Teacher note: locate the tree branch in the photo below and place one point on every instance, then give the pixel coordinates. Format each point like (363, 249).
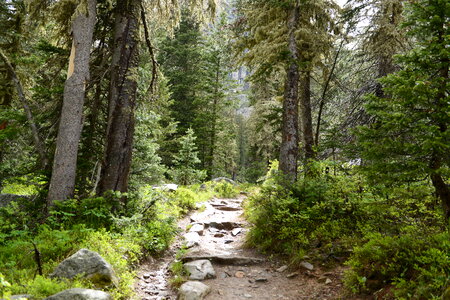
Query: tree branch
(150, 50)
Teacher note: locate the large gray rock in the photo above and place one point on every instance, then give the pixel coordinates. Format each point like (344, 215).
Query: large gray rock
(6, 199)
(193, 290)
(89, 264)
(200, 269)
(80, 294)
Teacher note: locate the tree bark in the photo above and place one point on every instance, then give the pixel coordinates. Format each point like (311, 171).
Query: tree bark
(307, 127)
(289, 139)
(442, 189)
(62, 183)
(122, 98)
(37, 140)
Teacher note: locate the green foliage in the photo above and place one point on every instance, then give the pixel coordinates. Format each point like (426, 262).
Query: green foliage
(415, 263)
(225, 190)
(185, 199)
(41, 287)
(122, 236)
(4, 287)
(179, 273)
(96, 212)
(409, 138)
(392, 235)
(186, 161)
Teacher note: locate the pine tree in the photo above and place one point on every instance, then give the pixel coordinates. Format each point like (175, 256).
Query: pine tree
(185, 169)
(287, 37)
(410, 137)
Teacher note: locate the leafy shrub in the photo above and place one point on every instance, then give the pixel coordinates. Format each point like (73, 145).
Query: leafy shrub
(5, 287)
(315, 212)
(185, 199)
(225, 190)
(42, 287)
(416, 264)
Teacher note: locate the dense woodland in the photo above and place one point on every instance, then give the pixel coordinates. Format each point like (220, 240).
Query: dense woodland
(332, 116)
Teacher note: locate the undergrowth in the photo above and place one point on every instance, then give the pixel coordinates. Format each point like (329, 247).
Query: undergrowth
(121, 235)
(393, 238)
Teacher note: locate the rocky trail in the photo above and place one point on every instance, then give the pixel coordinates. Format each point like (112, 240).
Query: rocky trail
(221, 268)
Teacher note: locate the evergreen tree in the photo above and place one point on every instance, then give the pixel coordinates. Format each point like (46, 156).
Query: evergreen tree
(186, 161)
(410, 137)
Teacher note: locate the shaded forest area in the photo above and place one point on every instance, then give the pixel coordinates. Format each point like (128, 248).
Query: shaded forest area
(332, 116)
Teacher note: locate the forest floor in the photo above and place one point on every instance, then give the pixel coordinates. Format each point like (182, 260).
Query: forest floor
(241, 272)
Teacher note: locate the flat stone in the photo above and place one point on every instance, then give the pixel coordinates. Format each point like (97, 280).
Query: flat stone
(248, 296)
(236, 231)
(307, 265)
(227, 260)
(328, 281)
(193, 290)
(197, 227)
(200, 269)
(223, 225)
(80, 294)
(192, 239)
(228, 208)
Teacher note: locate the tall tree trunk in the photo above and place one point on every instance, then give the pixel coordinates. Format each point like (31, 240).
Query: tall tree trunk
(122, 101)
(213, 136)
(289, 139)
(307, 127)
(442, 189)
(62, 183)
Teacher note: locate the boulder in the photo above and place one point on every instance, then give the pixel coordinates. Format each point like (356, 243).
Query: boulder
(193, 290)
(200, 269)
(88, 263)
(80, 294)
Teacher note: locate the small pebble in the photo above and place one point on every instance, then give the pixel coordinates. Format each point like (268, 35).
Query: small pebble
(239, 274)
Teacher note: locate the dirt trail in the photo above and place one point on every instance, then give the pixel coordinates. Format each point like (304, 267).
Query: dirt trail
(218, 233)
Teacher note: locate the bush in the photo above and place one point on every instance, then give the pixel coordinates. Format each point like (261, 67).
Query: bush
(415, 264)
(185, 199)
(225, 190)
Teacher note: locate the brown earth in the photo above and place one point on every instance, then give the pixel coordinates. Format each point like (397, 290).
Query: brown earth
(241, 273)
